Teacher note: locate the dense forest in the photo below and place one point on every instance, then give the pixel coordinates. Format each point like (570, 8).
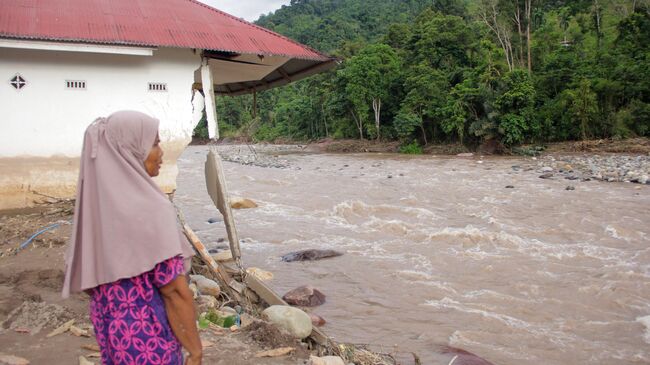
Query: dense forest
(441, 71)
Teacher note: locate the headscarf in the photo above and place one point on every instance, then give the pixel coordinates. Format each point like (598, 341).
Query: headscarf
(123, 223)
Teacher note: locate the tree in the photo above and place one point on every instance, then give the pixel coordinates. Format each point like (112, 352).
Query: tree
(369, 76)
(515, 103)
(583, 106)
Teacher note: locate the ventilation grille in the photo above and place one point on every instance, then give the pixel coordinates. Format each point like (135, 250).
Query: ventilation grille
(75, 84)
(156, 86)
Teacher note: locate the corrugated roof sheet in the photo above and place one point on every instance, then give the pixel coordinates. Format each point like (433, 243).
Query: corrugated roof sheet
(152, 23)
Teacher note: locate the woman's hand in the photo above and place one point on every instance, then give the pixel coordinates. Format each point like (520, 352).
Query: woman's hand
(179, 305)
(193, 359)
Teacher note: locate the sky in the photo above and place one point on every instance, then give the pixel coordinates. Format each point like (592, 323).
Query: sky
(247, 9)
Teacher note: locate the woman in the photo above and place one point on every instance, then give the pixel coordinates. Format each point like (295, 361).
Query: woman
(126, 250)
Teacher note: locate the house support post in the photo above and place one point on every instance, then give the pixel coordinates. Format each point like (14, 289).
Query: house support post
(210, 104)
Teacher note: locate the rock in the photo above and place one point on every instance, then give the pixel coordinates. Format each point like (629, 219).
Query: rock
(548, 175)
(304, 296)
(326, 360)
(214, 220)
(205, 285)
(206, 302)
(223, 256)
(317, 320)
(462, 357)
(12, 360)
(644, 179)
(241, 203)
(547, 169)
(310, 255)
(570, 188)
(510, 187)
(469, 154)
(260, 274)
(292, 320)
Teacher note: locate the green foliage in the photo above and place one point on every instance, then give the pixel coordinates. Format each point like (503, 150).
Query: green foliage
(443, 73)
(412, 148)
(215, 318)
(406, 123)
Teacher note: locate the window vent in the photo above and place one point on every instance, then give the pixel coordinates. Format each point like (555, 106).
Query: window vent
(75, 84)
(156, 86)
(18, 82)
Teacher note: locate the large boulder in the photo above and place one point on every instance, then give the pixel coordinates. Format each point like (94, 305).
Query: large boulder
(206, 286)
(292, 320)
(310, 255)
(305, 296)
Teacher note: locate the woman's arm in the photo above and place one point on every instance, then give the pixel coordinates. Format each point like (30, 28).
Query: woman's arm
(182, 318)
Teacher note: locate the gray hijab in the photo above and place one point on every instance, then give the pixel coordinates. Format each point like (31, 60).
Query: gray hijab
(123, 223)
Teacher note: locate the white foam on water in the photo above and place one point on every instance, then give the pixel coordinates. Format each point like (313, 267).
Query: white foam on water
(646, 322)
(448, 303)
(358, 209)
(494, 294)
(393, 226)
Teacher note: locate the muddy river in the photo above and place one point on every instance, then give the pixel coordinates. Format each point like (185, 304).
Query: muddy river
(438, 252)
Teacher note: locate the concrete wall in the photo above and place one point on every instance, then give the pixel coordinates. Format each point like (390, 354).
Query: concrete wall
(42, 125)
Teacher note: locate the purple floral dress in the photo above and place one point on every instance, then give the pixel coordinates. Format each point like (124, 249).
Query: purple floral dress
(130, 320)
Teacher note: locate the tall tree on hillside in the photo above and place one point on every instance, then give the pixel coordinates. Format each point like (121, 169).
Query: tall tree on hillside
(490, 13)
(370, 75)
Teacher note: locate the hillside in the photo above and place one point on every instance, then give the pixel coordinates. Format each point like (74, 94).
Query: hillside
(503, 72)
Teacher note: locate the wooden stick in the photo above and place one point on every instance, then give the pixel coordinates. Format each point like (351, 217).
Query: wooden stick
(231, 285)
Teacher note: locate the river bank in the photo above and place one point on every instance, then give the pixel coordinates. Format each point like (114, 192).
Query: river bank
(31, 305)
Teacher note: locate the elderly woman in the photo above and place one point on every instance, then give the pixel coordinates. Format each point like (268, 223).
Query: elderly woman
(126, 250)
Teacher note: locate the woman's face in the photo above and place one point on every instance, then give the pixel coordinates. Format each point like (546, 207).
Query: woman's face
(154, 160)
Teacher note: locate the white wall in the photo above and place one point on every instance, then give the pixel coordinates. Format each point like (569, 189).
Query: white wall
(45, 120)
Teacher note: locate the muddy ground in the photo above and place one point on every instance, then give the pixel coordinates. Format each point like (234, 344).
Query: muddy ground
(31, 305)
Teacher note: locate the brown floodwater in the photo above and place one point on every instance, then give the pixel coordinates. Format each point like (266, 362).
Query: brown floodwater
(442, 253)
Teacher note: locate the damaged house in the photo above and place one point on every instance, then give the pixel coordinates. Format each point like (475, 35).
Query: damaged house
(64, 63)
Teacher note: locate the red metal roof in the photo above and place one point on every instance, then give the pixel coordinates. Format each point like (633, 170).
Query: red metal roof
(153, 23)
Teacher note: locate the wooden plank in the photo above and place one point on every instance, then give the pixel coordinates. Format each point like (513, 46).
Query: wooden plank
(231, 285)
(218, 191)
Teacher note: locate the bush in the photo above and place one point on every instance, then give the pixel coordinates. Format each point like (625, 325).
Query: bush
(412, 148)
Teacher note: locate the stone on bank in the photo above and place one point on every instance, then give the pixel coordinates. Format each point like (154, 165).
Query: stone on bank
(292, 320)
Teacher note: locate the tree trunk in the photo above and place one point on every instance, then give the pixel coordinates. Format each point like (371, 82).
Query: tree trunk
(358, 122)
(424, 133)
(376, 106)
(322, 107)
(529, 6)
(501, 31)
(521, 35)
